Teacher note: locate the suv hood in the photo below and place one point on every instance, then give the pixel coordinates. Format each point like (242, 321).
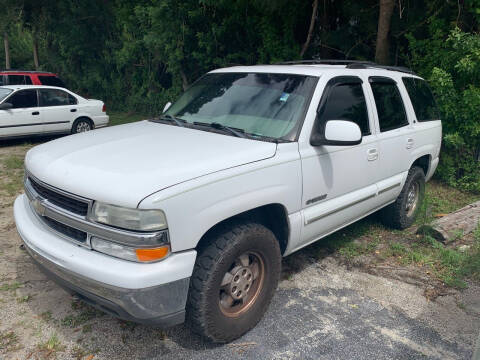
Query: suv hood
(123, 164)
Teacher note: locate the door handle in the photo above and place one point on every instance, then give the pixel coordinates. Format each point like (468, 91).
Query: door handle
(73, 110)
(372, 154)
(36, 113)
(410, 143)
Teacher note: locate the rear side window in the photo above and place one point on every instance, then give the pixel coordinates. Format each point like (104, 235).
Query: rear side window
(23, 99)
(17, 80)
(422, 99)
(346, 101)
(389, 103)
(54, 97)
(51, 81)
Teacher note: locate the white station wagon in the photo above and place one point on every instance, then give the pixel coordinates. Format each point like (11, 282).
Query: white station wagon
(188, 215)
(29, 109)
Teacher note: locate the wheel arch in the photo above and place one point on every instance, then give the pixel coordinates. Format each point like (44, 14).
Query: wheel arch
(423, 162)
(81, 117)
(273, 216)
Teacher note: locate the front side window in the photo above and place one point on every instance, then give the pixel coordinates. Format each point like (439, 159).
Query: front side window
(346, 101)
(422, 99)
(54, 97)
(23, 99)
(389, 103)
(261, 104)
(51, 81)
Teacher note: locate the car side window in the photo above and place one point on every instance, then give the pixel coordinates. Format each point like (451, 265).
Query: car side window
(23, 99)
(55, 97)
(16, 80)
(389, 103)
(422, 99)
(344, 100)
(28, 80)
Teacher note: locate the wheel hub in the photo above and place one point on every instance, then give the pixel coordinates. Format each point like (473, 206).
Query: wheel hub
(241, 283)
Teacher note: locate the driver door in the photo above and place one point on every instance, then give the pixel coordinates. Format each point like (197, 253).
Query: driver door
(24, 117)
(339, 181)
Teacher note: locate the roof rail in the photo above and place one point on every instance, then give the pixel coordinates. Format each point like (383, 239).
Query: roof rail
(25, 71)
(349, 64)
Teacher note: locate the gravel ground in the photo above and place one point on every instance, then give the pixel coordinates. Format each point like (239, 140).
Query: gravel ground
(322, 310)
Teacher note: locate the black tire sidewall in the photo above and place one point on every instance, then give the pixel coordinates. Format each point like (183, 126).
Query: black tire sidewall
(416, 174)
(78, 121)
(259, 240)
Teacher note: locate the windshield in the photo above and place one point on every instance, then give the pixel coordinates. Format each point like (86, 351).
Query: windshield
(4, 93)
(270, 105)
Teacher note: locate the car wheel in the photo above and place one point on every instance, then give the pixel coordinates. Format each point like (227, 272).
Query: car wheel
(81, 125)
(234, 279)
(403, 212)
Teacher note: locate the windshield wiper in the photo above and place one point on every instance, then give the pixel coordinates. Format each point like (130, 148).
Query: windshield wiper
(235, 131)
(177, 121)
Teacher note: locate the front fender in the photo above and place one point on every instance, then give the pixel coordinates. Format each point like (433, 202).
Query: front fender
(195, 206)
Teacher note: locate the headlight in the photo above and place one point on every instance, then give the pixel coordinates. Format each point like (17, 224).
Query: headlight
(130, 219)
(128, 252)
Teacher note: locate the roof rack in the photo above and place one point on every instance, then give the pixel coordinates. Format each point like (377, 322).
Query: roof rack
(349, 64)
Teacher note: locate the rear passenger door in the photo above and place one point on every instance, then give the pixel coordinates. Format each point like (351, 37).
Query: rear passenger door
(24, 117)
(58, 108)
(394, 137)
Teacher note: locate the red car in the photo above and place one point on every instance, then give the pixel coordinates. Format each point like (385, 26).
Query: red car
(21, 77)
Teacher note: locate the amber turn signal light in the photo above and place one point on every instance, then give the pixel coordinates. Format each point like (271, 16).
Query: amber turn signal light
(152, 254)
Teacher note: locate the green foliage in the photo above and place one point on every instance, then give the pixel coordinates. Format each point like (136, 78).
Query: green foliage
(451, 61)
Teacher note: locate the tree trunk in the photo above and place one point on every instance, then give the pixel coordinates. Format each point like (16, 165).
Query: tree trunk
(184, 79)
(7, 50)
(384, 18)
(310, 29)
(35, 52)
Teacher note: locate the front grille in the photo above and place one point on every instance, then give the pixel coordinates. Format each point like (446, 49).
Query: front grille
(66, 230)
(75, 206)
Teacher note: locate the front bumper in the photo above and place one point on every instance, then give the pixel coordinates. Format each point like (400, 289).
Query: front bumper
(153, 293)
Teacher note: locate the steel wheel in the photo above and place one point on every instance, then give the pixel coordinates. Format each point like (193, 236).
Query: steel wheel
(412, 198)
(241, 284)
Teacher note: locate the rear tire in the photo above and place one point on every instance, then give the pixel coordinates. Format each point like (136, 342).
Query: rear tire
(403, 212)
(234, 279)
(81, 125)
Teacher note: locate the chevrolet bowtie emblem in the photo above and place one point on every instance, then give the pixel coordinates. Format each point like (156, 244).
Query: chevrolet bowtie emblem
(39, 207)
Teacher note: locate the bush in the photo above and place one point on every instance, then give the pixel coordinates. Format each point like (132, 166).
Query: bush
(451, 62)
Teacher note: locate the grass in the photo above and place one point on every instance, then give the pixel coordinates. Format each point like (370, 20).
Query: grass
(86, 313)
(381, 244)
(53, 344)
(117, 118)
(11, 287)
(8, 341)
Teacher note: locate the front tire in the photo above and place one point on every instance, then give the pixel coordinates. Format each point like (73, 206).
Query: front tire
(403, 212)
(234, 279)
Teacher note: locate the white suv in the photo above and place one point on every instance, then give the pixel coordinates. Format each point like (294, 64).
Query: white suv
(189, 214)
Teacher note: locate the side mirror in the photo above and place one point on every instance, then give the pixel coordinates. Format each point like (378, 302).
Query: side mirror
(5, 106)
(166, 107)
(338, 133)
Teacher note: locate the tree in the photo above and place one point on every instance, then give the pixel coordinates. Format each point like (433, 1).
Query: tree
(7, 50)
(311, 28)
(384, 18)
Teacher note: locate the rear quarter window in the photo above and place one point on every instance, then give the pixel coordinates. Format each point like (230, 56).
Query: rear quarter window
(422, 99)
